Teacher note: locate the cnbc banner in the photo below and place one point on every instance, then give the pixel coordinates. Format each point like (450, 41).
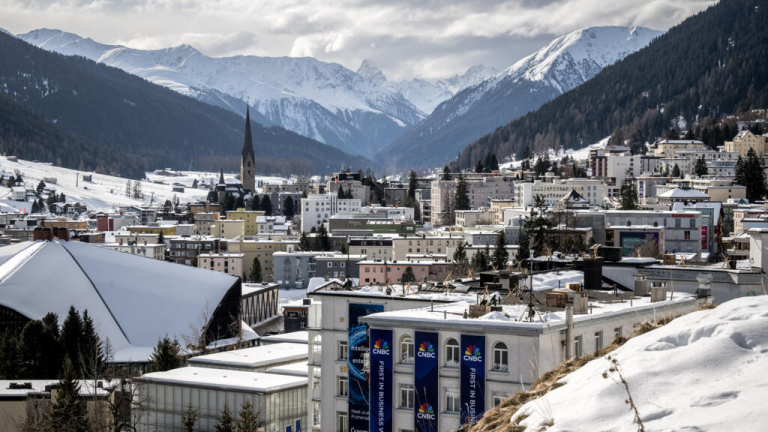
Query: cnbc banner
(426, 388)
(472, 378)
(358, 378)
(381, 380)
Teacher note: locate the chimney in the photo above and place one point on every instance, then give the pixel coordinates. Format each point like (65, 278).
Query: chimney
(580, 303)
(659, 293)
(641, 284)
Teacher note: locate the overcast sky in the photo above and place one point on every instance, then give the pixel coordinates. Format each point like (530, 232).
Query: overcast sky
(426, 38)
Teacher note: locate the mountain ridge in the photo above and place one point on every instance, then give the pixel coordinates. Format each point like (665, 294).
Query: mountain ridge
(559, 66)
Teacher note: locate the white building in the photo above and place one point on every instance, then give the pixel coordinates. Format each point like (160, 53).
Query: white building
(18, 193)
(317, 209)
(591, 189)
(154, 251)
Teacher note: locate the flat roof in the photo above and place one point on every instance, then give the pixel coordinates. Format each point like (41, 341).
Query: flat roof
(299, 337)
(255, 357)
(294, 369)
(225, 379)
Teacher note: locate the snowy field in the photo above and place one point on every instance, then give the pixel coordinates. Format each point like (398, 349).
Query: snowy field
(577, 155)
(705, 371)
(107, 192)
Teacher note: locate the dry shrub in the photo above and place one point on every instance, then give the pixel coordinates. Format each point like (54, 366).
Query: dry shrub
(498, 418)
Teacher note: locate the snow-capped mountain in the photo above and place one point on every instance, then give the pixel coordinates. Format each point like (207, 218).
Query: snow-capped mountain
(423, 94)
(323, 101)
(534, 80)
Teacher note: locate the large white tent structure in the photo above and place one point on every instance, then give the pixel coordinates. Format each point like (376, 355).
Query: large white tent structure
(133, 300)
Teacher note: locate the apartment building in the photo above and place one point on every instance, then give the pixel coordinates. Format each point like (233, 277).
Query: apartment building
(227, 229)
(481, 190)
(317, 209)
(229, 263)
(383, 272)
(249, 218)
(669, 148)
(592, 190)
(745, 141)
(683, 228)
(435, 245)
(263, 250)
(373, 248)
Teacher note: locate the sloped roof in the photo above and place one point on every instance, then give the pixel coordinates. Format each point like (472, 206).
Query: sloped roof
(683, 193)
(133, 300)
(573, 197)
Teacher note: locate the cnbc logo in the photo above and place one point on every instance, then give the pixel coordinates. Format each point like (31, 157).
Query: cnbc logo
(472, 353)
(380, 347)
(426, 350)
(426, 412)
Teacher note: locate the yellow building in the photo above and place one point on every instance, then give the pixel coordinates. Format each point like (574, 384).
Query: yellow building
(497, 209)
(152, 229)
(62, 222)
(263, 250)
(227, 229)
(745, 141)
(247, 216)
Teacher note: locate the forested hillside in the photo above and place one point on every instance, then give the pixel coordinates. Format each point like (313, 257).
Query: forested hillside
(135, 125)
(712, 64)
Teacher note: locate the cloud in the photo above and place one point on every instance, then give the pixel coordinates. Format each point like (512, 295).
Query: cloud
(428, 38)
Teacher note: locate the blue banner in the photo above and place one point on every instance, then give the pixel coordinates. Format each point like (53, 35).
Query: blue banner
(298, 425)
(472, 378)
(359, 402)
(382, 355)
(426, 386)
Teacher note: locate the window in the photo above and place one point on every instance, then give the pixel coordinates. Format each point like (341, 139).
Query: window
(406, 350)
(678, 223)
(315, 413)
(498, 399)
(577, 346)
(343, 350)
(617, 332)
(342, 387)
(687, 235)
(406, 396)
(341, 422)
(452, 353)
(692, 223)
(452, 400)
(598, 340)
(316, 378)
(500, 357)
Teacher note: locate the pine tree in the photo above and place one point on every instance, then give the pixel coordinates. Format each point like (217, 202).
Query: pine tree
(266, 205)
(289, 209)
(304, 244)
(69, 412)
(160, 238)
(412, 182)
(479, 167)
(189, 418)
(225, 422)
(129, 188)
(676, 171)
(340, 193)
(322, 241)
(10, 355)
(249, 418)
(701, 168)
(479, 261)
(40, 187)
(30, 352)
(35, 208)
(500, 254)
(752, 175)
(255, 274)
(408, 275)
(166, 356)
(537, 224)
(71, 333)
(195, 184)
(461, 199)
(446, 173)
(523, 248)
(494, 163)
(460, 258)
(239, 203)
(255, 204)
(91, 349)
(628, 194)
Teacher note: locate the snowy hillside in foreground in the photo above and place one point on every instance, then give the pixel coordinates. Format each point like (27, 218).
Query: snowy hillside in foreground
(561, 65)
(705, 371)
(427, 95)
(105, 192)
(323, 101)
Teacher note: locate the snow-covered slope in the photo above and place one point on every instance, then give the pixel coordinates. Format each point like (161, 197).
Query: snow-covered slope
(705, 371)
(323, 101)
(427, 95)
(105, 191)
(560, 66)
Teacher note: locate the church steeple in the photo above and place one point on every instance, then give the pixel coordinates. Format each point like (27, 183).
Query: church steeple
(248, 158)
(248, 141)
(221, 177)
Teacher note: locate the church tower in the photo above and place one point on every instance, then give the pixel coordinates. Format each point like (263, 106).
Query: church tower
(247, 159)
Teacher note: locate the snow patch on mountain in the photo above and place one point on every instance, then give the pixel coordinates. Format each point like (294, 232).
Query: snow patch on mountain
(305, 95)
(426, 95)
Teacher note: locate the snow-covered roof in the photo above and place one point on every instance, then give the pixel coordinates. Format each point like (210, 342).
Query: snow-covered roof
(683, 193)
(225, 379)
(299, 337)
(294, 369)
(252, 358)
(133, 300)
